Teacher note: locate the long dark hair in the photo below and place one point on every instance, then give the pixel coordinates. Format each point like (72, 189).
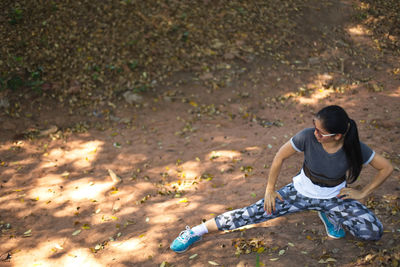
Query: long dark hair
(334, 119)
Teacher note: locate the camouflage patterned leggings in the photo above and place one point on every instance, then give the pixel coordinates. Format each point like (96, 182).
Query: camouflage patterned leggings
(351, 214)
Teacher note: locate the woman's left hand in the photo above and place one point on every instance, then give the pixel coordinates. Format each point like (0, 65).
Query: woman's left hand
(350, 193)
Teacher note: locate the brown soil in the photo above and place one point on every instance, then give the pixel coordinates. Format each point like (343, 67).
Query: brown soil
(190, 152)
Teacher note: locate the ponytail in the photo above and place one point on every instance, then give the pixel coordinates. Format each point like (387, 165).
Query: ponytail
(352, 149)
(336, 120)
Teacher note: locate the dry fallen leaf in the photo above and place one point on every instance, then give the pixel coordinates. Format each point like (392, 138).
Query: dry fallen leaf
(28, 233)
(114, 177)
(327, 260)
(77, 232)
(183, 200)
(193, 256)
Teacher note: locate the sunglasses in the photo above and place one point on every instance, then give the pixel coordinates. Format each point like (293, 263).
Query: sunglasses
(319, 131)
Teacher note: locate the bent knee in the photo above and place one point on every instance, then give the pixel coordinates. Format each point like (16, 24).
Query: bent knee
(372, 234)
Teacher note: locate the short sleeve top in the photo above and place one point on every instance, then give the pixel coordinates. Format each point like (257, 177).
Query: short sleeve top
(328, 165)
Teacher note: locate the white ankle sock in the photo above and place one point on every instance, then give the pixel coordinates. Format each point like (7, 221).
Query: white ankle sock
(200, 229)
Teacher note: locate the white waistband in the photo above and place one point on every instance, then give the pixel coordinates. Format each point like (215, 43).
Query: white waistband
(304, 186)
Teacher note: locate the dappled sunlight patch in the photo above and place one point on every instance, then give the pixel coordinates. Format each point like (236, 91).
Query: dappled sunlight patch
(184, 203)
(64, 210)
(47, 164)
(142, 246)
(188, 202)
(80, 257)
(164, 206)
(253, 148)
(162, 219)
(189, 169)
(128, 210)
(185, 176)
(358, 30)
(396, 93)
(43, 194)
(20, 163)
(319, 89)
(181, 177)
(81, 154)
(56, 153)
(14, 201)
(315, 97)
(190, 174)
(190, 165)
(14, 168)
(130, 245)
(87, 190)
(223, 155)
(310, 96)
(48, 192)
(52, 253)
(183, 185)
(50, 179)
(39, 255)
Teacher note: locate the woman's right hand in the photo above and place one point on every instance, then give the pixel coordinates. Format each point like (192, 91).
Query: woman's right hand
(269, 200)
(284, 152)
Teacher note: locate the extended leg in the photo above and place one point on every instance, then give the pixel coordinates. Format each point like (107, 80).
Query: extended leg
(293, 202)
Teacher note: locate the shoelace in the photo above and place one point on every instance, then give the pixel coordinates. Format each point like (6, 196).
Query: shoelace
(185, 235)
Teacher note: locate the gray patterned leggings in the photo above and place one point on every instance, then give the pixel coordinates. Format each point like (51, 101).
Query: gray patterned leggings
(356, 218)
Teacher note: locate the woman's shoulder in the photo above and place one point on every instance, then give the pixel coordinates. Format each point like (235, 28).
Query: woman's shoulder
(306, 132)
(302, 138)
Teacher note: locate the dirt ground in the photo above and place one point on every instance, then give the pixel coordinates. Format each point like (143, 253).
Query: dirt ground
(190, 152)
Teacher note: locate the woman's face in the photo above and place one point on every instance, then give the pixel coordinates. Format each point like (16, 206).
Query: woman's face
(320, 133)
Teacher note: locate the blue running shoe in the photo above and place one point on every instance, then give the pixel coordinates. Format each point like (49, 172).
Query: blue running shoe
(334, 231)
(184, 240)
